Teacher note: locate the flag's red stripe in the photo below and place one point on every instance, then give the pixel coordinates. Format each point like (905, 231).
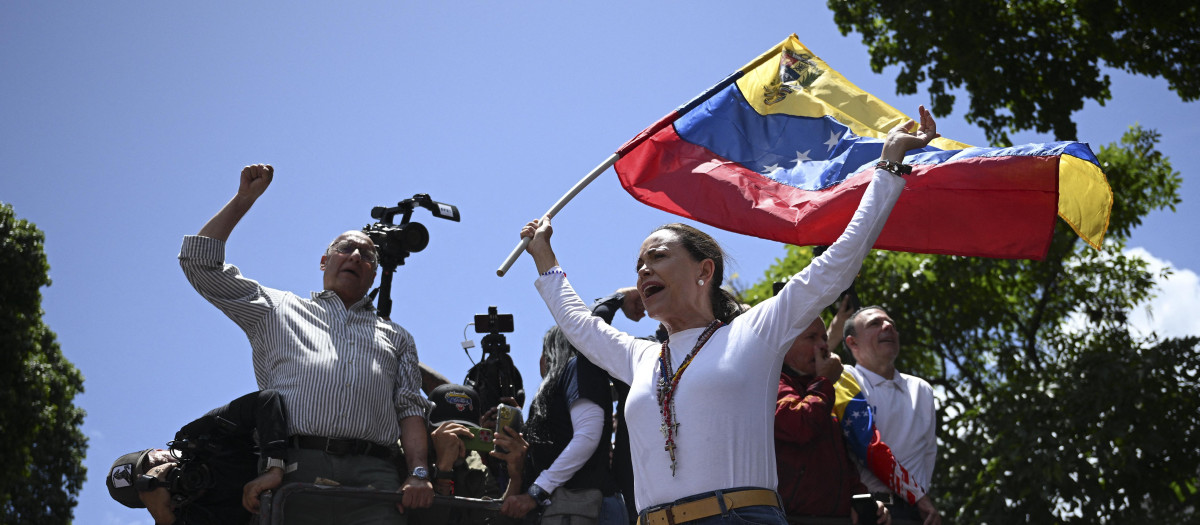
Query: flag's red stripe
(647, 133)
(1000, 207)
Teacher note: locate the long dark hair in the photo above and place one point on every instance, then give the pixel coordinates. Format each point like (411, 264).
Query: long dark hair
(702, 246)
(558, 352)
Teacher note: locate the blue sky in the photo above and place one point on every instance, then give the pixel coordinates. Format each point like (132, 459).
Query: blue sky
(125, 126)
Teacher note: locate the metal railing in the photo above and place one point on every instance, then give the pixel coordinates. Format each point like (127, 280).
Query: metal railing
(273, 502)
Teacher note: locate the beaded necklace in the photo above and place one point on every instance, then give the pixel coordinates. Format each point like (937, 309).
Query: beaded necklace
(668, 381)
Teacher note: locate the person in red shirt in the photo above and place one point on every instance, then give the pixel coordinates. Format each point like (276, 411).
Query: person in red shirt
(816, 475)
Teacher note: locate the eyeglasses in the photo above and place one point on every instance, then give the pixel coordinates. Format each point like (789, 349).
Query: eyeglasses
(348, 247)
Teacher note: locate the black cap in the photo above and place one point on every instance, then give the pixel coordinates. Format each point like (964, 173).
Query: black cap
(125, 470)
(456, 403)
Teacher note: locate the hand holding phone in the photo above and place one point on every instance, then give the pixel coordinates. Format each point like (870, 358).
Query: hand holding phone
(866, 508)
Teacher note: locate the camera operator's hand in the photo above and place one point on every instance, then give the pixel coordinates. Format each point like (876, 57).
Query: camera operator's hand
(269, 480)
(158, 501)
(418, 494)
(448, 443)
(632, 306)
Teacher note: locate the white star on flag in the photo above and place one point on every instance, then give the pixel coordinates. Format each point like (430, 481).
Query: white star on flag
(834, 137)
(802, 157)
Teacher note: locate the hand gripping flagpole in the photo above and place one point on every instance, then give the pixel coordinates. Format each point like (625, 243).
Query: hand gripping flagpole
(562, 201)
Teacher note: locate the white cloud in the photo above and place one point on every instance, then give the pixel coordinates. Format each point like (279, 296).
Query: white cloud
(1173, 312)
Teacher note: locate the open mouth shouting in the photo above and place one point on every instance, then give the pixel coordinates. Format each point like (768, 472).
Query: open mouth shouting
(651, 288)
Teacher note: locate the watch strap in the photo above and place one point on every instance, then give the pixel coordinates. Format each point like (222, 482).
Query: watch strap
(539, 495)
(893, 167)
(275, 462)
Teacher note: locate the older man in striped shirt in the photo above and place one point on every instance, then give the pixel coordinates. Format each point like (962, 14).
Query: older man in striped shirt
(349, 379)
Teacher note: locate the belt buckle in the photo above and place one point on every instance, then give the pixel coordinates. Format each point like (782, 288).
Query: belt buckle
(332, 447)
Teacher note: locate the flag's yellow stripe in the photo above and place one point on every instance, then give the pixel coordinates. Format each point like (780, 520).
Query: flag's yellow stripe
(1084, 198)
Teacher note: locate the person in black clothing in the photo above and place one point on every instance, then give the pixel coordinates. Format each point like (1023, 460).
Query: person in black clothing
(629, 301)
(569, 431)
(210, 473)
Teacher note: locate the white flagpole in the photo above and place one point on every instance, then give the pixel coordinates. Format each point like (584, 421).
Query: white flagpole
(562, 201)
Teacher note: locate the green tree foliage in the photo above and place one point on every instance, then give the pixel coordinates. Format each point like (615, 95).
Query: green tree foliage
(1052, 410)
(41, 446)
(1026, 63)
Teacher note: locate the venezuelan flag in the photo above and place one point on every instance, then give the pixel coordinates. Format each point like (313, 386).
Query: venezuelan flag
(862, 438)
(784, 148)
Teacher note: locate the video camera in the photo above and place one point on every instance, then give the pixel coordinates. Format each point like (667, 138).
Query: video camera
(191, 475)
(394, 242)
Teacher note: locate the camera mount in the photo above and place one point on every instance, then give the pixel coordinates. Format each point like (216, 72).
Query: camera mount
(495, 376)
(395, 242)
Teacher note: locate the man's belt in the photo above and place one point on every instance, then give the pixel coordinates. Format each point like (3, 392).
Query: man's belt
(710, 506)
(340, 446)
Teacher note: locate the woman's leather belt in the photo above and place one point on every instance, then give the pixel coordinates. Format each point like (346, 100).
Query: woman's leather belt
(710, 506)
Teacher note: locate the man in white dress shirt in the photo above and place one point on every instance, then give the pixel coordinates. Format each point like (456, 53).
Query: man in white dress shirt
(902, 406)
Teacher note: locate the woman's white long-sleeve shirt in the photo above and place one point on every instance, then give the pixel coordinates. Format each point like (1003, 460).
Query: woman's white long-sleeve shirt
(724, 403)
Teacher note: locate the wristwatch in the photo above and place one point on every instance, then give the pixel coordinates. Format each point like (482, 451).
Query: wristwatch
(539, 495)
(274, 462)
(443, 474)
(894, 167)
(420, 473)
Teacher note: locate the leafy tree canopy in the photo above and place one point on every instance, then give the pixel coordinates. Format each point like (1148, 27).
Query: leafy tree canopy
(1052, 410)
(1026, 63)
(41, 445)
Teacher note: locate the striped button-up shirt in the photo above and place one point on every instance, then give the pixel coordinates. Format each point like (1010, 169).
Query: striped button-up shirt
(342, 372)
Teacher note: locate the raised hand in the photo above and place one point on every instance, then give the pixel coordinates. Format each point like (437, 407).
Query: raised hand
(255, 179)
(512, 441)
(903, 138)
(539, 233)
(254, 182)
(632, 306)
(828, 365)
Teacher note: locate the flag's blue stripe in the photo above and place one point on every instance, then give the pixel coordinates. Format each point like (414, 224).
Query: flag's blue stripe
(1047, 149)
(774, 145)
(813, 153)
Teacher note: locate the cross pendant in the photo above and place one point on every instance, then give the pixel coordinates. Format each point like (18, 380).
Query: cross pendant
(671, 449)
